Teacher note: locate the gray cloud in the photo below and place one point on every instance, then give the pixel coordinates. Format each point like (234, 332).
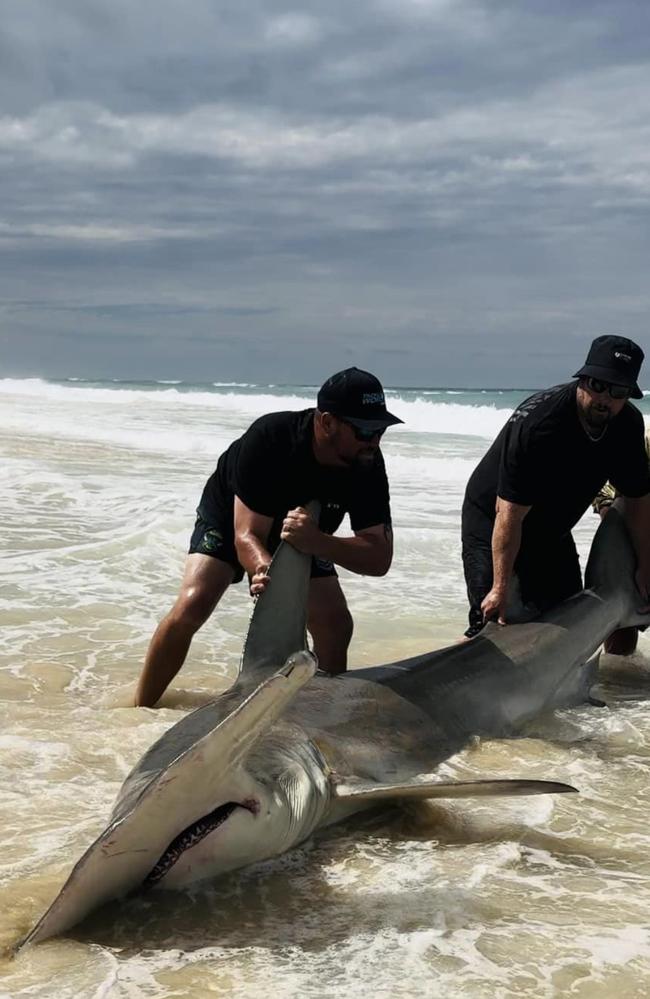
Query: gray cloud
(265, 188)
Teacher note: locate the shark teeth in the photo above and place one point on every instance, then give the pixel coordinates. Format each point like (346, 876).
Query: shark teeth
(191, 836)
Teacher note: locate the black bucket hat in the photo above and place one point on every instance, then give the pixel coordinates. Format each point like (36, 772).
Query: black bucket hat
(357, 397)
(614, 359)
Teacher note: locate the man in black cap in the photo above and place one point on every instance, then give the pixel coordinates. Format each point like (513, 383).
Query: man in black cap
(257, 496)
(555, 452)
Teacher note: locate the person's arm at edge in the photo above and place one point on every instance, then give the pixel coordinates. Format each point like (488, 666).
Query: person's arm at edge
(251, 534)
(369, 552)
(506, 542)
(636, 511)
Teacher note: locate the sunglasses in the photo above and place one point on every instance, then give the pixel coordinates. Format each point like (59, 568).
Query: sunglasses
(616, 391)
(362, 434)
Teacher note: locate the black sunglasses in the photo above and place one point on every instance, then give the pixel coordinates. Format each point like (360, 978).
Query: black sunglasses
(616, 391)
(363, 434)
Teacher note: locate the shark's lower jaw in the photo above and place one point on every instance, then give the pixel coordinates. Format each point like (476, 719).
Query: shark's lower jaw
(193, 835)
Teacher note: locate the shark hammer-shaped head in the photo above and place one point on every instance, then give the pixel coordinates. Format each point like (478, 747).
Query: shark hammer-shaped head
(199, 803)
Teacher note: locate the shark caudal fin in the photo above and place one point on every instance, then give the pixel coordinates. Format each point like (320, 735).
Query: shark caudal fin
(162, 796)
(611, 567)
(355, 790)
(278, 623)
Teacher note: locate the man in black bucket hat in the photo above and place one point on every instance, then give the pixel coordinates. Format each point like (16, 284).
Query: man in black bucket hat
(257, 496)
(555, 452)
(617, 361)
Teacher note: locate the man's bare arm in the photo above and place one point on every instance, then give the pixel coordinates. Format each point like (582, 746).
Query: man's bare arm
(251, 534)
(369, 552)
(506, 542)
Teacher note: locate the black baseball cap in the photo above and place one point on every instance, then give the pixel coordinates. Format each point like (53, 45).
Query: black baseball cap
(614, 359)
(357, 397)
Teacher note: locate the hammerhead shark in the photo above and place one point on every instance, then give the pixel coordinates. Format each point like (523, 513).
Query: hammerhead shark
(288, 750)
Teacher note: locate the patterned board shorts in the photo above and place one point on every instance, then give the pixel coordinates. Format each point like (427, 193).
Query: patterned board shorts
(218, 540)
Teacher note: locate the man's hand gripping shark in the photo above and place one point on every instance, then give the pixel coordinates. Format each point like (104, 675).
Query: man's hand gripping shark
(288, 750)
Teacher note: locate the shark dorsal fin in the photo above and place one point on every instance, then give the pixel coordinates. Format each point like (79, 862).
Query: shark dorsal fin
(278, 623)
(353, 790)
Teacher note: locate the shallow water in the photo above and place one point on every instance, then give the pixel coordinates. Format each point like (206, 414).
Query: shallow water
(528, 897)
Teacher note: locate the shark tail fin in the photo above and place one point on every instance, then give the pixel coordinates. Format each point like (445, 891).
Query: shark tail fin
(278, 625)
(611, 567)
(354, 790)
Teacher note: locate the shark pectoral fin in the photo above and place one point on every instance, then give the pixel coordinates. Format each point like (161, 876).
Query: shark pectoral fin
(353, 790)
(279, 620)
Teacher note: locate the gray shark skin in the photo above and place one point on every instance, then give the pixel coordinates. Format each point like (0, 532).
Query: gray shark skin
(287, 751)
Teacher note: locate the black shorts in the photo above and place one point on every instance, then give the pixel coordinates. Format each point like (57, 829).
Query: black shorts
(215, 536)
(548, 573)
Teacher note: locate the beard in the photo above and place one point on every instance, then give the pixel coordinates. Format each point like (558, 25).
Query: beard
(597, 419)
(365, 458)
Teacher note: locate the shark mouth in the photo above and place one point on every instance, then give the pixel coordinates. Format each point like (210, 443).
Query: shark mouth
(191, 836)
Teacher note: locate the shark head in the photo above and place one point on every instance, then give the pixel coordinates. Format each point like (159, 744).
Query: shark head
(267, 802)
(221, 788)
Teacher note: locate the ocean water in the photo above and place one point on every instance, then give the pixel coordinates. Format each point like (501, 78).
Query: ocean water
(536, 898)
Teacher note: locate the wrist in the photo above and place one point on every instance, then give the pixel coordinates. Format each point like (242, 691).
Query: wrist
(322, 546)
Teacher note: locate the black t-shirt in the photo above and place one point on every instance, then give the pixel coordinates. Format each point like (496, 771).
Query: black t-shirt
(544, 459)
(272, 469)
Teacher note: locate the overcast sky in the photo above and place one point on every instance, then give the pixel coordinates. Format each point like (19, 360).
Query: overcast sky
(445, 192)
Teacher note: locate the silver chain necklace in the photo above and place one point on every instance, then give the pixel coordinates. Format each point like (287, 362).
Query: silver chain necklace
(595, 437)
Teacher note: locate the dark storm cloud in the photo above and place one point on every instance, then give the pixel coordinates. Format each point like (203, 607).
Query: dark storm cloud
(247, 184)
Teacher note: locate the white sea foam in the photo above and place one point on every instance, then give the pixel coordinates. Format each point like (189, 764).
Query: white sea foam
(168, 418)
(91, 412)
(236, 385)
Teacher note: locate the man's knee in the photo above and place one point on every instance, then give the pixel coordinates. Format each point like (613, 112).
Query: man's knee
(345, 626)
(205, 580)
(328, 617)
(192, 608)
(332, 619)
